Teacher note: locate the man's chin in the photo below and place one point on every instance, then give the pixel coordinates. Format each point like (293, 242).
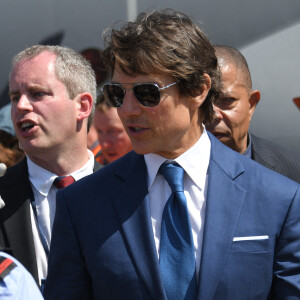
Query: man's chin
(111, 157)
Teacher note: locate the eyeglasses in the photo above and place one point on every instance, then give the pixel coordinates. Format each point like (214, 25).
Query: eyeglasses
(147, 94)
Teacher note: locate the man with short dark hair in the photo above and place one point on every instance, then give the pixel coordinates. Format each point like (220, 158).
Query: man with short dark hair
(182, 216)
(234, 111)
(95, 57)
(51, 90)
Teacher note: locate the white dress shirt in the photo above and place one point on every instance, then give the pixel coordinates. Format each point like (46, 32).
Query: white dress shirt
(195, 163)
(45, 202)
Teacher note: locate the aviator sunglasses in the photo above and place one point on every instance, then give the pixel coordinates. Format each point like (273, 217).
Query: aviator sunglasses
(147, 94)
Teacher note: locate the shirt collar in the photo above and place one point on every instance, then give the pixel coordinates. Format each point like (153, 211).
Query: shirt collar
(194, 161)
(248, 151)
(42, 179)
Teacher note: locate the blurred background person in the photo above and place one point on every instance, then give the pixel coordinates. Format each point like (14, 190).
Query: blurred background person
(95, 58)
(10, 152)
(233, 113)
(93, 142)
(112, 136)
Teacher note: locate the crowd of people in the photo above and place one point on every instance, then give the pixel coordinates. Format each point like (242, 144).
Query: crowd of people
(200, 209)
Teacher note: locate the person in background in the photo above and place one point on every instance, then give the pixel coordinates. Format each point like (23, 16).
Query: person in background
(51, 89)
(93, 143)
(113, 139)
(10, 152)
(95, 57)
(182, 216)
(234, 111)
(16, 283)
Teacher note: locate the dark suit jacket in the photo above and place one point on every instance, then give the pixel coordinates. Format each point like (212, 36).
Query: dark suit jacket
(16, 236)
(103, 246)
(276, 158)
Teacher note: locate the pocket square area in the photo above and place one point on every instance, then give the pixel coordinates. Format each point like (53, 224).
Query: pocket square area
(252, 244)
(250, 238)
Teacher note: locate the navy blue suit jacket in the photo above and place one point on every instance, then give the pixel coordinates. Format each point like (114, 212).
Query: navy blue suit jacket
(103, 246)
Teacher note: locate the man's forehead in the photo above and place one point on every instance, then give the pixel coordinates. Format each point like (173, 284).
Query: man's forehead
(222, 63)
(28, 66)
(119, 76)
(231, 74)
(32, 74)
(45, 57)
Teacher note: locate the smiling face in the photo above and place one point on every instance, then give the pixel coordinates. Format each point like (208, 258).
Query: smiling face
(234, 110)
(112, 136)
(168, 129)
(43, 114)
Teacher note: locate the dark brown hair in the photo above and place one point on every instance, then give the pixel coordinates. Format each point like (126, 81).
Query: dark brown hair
(10, 153)
(165, 42)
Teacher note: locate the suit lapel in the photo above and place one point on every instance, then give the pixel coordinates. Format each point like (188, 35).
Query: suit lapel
(132, 208)
(224, 201)
(16, 217)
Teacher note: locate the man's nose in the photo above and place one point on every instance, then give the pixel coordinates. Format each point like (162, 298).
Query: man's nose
(105, 140)
(130, 106)
(24, 103)
(218, 112)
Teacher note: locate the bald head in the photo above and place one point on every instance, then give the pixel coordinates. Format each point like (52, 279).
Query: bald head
(229, 57)
(234, 110)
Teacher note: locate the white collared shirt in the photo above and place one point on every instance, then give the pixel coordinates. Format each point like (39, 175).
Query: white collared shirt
(195, 162)
(44, 193)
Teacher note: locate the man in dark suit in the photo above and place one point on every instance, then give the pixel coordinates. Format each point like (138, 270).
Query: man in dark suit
(51, 90)
(183, 216)
(234, 112)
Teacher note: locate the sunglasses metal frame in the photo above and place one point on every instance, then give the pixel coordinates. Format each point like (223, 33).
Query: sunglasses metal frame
(132, 89)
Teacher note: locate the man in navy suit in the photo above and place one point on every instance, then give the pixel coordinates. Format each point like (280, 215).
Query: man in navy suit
(234, 111)
(118, 235)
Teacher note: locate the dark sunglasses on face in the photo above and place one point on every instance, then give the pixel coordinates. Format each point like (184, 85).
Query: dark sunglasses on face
(147, 94)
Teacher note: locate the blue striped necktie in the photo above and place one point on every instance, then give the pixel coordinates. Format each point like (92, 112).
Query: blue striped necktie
(177, 256)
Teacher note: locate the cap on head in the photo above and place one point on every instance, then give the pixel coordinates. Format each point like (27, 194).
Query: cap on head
(5, 120)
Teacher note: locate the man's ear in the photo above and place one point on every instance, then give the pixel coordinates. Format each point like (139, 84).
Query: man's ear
(85, 105)
(253, 101)
(200, 94)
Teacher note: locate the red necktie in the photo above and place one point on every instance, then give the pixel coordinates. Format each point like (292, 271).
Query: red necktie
(63, 181)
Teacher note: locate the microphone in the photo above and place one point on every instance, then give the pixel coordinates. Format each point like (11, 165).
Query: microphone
(3, 169)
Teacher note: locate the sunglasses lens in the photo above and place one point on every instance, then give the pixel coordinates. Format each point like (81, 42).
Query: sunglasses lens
(114, 94)
(147, 94)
